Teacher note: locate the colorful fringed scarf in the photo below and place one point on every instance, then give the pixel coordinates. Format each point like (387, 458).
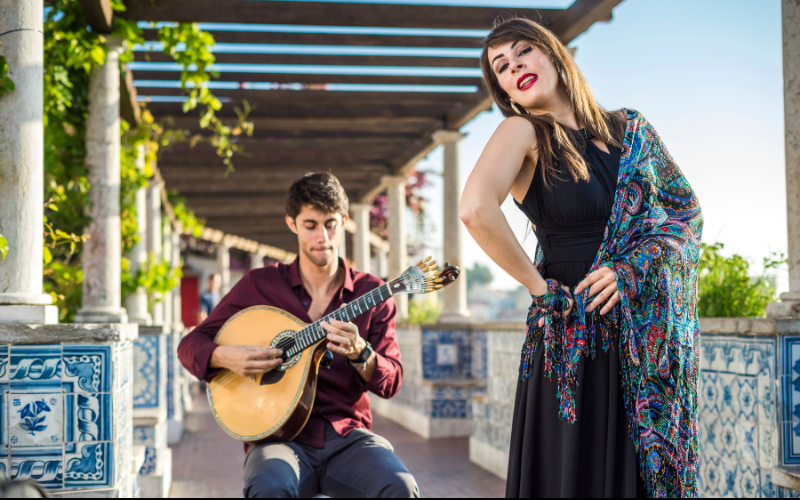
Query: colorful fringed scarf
(652, 242)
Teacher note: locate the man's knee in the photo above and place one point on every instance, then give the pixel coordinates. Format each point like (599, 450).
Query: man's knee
(400, 485)
(271, 486)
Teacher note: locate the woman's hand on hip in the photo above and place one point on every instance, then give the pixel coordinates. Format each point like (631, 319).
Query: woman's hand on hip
(602, 285)
(571, 305)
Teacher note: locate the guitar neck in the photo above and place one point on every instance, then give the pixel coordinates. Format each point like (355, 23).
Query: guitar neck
(314, 332)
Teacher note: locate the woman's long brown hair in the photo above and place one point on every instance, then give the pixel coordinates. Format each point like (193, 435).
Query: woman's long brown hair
(554, 141)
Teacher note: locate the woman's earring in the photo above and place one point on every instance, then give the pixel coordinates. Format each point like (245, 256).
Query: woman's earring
(513, 105)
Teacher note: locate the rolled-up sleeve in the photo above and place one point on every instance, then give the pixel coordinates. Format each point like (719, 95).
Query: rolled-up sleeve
(195, 349)
(388, 374)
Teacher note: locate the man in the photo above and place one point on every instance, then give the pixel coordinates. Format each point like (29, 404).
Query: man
(335, 454)
(210, 298)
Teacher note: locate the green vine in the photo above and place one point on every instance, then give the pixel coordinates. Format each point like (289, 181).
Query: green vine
(71, 54)
(156, 277)
(6, 85)
(3, 247)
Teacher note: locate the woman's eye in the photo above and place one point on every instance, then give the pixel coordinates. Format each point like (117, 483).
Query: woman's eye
(525, 51)
(502, 68)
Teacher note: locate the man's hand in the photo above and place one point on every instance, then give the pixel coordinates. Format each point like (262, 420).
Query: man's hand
(602, 285)
(344, 338)
(246, 360)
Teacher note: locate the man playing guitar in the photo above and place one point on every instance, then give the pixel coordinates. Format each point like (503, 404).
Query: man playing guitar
(335, 453)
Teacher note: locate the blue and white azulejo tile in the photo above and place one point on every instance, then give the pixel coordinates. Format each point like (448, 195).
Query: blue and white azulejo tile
(87, 368)
(147, 371)
(36, 419)
(88, 417)
(4, 366)
(88, 465)
(4, 463)
(35, 368)
(738, 355)
(42, 464)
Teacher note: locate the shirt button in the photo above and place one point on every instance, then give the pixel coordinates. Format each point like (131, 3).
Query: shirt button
(305, 304)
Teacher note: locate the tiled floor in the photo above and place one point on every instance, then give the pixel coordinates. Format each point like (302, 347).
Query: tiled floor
(208, 463)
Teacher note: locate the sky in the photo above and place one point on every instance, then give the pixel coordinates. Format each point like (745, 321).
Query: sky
(708, 76)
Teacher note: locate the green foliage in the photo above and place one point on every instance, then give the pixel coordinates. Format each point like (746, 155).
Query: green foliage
(479, 274)
(3, 247)
(6, 85)
(423, 312)
(191, 48)
(71, 53)
(155, 277)
(191, 224)
(726, 287)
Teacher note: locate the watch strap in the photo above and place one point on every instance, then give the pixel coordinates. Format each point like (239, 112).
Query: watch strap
(362, 358)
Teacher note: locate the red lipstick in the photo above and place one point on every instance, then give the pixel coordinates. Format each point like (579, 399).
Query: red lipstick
(531, 79)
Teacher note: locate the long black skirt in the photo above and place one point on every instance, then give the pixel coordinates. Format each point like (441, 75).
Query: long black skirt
(593, 457)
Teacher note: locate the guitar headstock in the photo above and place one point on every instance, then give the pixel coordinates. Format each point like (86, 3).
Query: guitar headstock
(424, 277)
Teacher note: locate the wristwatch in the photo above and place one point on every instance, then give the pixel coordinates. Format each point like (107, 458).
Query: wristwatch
(362, 358)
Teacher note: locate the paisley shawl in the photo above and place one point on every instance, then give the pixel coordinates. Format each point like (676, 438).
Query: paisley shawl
(652, 242)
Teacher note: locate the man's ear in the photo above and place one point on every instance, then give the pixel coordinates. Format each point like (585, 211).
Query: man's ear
(345, 218)
(292, 224)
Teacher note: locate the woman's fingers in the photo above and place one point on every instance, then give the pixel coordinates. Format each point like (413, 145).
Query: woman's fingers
(610, 304)
(607, 292)
(588, 281)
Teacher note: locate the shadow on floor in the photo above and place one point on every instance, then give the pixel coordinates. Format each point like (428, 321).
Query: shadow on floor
(208, 463)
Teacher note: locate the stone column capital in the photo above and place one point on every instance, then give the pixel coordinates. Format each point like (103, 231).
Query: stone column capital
(394, 180)
(116, 44)
(447, 136)
(360, 207)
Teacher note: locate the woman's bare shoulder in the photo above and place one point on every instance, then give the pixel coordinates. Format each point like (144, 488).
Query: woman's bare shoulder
(516, 130)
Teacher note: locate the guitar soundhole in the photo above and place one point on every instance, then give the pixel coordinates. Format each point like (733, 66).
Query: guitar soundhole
(285, 341)
(272, 377)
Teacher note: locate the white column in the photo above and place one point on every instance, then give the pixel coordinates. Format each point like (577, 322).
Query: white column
(398, 251)
(154, 245)
(102, 302)
(175, 263)
(224, 267)
(361, 247)
(790, 301)
(166, 256)
(383, 263)
(455, 295)
(136, 303)
(257, 259)
(22, 167)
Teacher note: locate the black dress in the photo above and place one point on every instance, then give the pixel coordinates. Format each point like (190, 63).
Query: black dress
(593, 457)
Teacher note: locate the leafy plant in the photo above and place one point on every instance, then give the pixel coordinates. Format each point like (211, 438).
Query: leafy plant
(156, 277)
(423, 312)
(30, 419)
(727, 288)
(6, 85)
(3, 247)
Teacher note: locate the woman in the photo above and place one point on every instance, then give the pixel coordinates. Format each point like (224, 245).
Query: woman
(606, 404)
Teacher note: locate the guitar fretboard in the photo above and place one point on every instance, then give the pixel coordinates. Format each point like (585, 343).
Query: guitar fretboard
(314, 332)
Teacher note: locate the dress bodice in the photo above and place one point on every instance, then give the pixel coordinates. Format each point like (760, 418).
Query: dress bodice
(570, 217)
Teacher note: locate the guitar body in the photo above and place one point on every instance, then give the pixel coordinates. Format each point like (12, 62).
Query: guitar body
(275, 406)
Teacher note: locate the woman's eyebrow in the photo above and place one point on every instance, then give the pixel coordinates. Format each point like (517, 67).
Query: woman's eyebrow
(501, 55)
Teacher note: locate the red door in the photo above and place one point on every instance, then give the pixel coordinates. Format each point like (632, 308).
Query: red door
(190, 300)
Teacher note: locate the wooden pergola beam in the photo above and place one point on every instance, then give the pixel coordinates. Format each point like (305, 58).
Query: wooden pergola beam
(312, 59)
(326, 14)
(262, 37)
(98, 14)
(230, 76)
(580, 16)
(339, 124)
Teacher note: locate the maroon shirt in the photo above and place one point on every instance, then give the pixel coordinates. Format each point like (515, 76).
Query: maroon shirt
(341, 392)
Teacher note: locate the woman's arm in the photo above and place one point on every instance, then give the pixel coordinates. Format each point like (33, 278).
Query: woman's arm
(496, 173)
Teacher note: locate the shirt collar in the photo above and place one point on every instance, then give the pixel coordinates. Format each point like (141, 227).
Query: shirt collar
(294, 273)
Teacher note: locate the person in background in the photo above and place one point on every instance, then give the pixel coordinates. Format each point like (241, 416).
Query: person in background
(210, 298)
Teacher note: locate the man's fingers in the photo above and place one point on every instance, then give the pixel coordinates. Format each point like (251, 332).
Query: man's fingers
(262, 353)
(339, 339)
(337, 349)
(262, 366)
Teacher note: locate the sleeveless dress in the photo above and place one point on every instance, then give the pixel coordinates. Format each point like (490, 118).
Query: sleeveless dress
(594, 457)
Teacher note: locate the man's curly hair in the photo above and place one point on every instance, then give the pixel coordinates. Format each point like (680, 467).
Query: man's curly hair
(321, 191)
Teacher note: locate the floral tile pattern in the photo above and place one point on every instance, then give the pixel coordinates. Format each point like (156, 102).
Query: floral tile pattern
(36, 419)
(790, 390)
(446, 354)
(738, 420)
